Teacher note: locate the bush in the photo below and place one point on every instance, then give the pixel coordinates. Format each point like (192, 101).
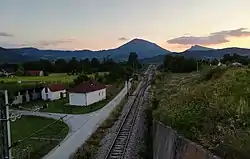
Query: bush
(80, 79)
(212, 73)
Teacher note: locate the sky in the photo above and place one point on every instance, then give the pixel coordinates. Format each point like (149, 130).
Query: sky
(103, 24)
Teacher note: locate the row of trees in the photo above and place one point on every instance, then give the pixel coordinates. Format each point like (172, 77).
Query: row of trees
(74, 66)
(227, 58)
(117, 71)
(178, 64)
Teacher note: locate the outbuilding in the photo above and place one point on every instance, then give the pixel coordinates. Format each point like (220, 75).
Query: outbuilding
(54, 92)
(87, 93)
(35, 73)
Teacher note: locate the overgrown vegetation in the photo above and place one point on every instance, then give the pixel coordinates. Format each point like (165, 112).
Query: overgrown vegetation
(211, 108)
(146, 150)
(178, 64)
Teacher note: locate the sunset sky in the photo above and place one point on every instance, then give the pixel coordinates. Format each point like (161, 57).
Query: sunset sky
(102, 24)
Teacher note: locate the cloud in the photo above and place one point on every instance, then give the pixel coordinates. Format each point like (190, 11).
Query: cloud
(44, 43)
(123, 39)
(5, 34)
(213, 38)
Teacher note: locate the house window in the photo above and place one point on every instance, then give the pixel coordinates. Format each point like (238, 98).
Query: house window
(99, 94)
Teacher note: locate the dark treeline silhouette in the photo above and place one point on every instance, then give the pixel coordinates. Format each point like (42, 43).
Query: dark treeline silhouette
(114, 70)
(227, 58)
(178, 64)
(72, 66)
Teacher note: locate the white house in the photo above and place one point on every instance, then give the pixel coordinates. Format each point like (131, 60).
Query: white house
(87, 93)
(53, 92)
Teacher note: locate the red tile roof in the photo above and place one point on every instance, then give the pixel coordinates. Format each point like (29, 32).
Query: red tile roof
(56, 87)
(87, 87)
(34, 72)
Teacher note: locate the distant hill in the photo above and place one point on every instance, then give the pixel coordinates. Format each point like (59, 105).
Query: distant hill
(209, 54)
(199, 48)
(153, 60)
(218, 53)
(147, 52)
(7, 55)
(143, 48)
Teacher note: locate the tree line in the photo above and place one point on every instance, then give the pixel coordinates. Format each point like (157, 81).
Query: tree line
(115, 70)
(180, 64)
(74, 66)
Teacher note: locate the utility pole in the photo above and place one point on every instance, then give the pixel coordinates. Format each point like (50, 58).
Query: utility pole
(5, 135)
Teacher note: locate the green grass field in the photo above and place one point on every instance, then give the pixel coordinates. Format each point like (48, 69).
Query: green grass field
(53, 78)
(38, 145)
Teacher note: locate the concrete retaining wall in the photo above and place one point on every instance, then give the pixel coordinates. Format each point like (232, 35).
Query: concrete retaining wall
(168, 145)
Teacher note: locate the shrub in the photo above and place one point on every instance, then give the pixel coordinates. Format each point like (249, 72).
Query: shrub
(213, 73)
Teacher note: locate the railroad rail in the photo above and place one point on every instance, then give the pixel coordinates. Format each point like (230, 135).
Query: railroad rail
(121, 140)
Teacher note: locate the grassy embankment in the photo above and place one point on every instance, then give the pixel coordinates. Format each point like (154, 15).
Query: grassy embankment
(33, 147)
(211, 108)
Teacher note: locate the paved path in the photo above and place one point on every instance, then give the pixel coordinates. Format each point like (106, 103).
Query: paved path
(80, 126)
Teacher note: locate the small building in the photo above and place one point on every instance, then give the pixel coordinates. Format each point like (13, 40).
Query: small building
(87, 93)
(35, 73)
(54, 92)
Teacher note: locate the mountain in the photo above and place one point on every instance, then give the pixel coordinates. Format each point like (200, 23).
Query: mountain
(147, 52)
(153, 60)
(209, 54)
(216, 53)
(143, 48)
(7, 55)
(199, 48)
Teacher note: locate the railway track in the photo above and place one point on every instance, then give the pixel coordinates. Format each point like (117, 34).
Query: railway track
(119, 144)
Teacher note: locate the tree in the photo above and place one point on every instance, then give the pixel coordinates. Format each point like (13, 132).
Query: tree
(178, 64)
(133, 61)
(95, 64)
(60, 66)
(81, 78)
(73, 65)
(85, 66)
(45, 65)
